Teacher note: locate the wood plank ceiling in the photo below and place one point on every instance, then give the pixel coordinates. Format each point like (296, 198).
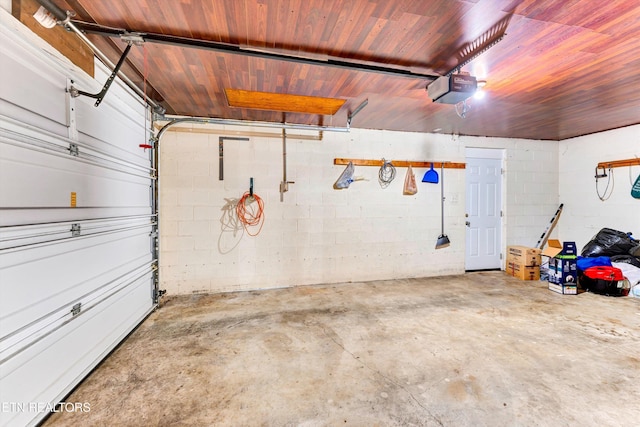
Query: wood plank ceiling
(565, 67)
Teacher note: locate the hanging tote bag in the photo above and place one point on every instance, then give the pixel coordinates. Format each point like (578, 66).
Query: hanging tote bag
(635, 190)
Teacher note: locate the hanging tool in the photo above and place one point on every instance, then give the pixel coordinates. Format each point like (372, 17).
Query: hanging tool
(443, 239)
(386, 174)
(250, 210)
(545, 235)
(284, 184)
(430, 176)
(610, 182)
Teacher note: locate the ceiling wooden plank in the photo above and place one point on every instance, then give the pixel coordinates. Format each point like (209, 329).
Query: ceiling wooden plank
(65, 42)
(283, 102)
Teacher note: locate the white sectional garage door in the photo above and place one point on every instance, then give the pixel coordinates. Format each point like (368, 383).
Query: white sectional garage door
(77, 269)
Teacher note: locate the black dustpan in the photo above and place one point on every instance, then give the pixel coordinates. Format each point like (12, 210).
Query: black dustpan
(430, 176)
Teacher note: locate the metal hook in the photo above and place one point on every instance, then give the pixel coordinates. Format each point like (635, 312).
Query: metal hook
(603, 174)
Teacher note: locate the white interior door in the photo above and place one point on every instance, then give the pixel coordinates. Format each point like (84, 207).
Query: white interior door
(483, 209)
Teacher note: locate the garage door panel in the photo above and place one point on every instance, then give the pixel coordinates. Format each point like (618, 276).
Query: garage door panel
(37, 216)
(9, 110)
(127, 150)
(44, 95)
(48, 362)
(115, 136)
(46, 178)
(79, 266)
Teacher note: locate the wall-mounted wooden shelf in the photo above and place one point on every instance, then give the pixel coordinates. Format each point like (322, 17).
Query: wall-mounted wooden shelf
(400, 163)
(619, 163)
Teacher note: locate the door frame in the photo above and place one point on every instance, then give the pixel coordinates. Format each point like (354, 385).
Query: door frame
(498, 154)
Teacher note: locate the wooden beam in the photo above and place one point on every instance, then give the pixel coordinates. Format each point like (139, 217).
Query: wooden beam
(283, 102)
(400, 163)
(64, 41)
(618, 163)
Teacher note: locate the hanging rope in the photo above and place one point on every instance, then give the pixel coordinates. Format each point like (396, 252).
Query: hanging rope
(145, 72)
(386, 174)
(610, 181)
(631, 179)
(250, 211)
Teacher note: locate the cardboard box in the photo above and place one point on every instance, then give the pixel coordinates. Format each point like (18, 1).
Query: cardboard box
(563, 271)
(523, 255)
(562, 262)
(555, 248)
(565, 289)
(523, 272)
(523, 262)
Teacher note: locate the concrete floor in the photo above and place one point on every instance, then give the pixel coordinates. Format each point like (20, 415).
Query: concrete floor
(481, 349)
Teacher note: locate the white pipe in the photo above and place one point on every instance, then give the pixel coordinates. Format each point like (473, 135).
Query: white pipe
(232, 122)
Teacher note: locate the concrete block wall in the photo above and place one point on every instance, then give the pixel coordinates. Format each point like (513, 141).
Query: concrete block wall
(584, 213)
(319, 234)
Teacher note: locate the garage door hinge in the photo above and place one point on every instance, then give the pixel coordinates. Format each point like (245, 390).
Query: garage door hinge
(157, 294)
(75, 310)
(501, 256)
(75, 230)
(73, 150)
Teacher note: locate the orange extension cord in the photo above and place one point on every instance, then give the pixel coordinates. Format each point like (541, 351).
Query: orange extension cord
(250, 215)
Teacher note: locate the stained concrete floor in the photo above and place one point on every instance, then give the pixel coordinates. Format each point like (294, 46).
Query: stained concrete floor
(481, 349)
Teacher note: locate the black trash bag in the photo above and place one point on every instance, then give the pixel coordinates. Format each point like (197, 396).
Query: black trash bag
(628, 259)
(609, 242)
(635, 251)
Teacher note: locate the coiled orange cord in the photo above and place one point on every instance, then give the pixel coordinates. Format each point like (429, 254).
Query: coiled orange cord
(250, 215)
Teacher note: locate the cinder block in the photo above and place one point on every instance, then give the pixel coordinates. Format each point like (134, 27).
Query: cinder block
(194, 228)
(177, 243)
(321, 212)
(178, 182)
(177, 213)
(209, 213)
(193, 168)
(194, 198)
(348, 211)
(168, 227)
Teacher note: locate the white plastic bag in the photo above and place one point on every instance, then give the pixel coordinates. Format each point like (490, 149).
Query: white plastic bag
(345, 178)
(410, 187)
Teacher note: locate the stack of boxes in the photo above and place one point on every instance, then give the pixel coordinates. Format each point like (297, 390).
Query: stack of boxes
(523, 262)
(562, 270)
